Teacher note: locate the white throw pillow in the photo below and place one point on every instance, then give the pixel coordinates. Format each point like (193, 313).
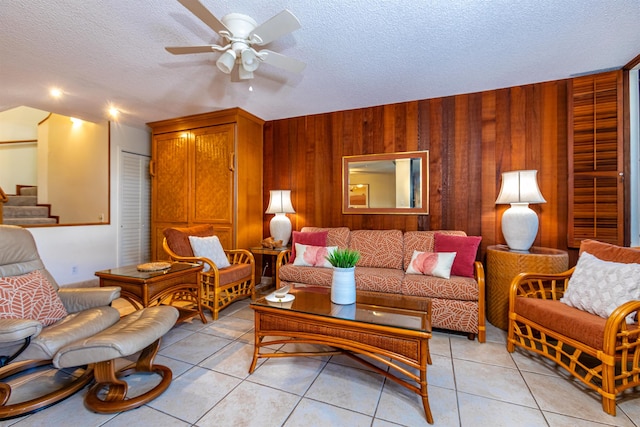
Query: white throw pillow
(313, 256)
(432, 263)
(211, 248)
(599, 287)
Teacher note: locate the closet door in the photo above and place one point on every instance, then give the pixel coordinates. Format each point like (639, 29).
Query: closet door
(135, 209)
(596, 184)
(170, 185)
(213, 180)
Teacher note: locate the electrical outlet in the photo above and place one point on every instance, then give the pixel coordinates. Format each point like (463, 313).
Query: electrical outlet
(74, 269)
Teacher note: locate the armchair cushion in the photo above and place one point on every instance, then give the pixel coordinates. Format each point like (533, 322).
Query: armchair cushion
(234, 273)
(12, 330)
(567, 321)
(78, 299)
(178, 238)
(30, 296)
(210, 248)
(599, 287)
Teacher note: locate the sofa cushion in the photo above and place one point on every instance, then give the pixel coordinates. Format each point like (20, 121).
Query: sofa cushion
(379, 279)
(314, 238)
(465, 247)
(599, 287)
(209, 247)
(336, 236)
(609, 252)
(378, 248)
(431, 263)
(178, 238)
(30, 296)
(422, 241)
(308, 275)
(455, 288)
(584, 327)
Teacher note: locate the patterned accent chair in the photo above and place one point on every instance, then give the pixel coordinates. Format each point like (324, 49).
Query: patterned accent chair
(601, 351)
(220, 286)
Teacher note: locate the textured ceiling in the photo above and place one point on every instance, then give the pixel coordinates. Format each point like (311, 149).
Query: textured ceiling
(358, 53)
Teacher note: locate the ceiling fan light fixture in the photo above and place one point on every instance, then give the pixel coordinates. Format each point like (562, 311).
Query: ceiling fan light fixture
(244, 74)
(249, 60)
(226, 61)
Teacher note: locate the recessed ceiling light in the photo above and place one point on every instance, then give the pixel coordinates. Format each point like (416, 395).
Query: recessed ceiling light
(113, 112)
(55, 92)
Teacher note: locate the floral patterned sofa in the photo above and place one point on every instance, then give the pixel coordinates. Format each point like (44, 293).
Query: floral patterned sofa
(457, 302)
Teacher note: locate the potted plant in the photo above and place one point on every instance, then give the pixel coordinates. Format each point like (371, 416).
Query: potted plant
(343, 285)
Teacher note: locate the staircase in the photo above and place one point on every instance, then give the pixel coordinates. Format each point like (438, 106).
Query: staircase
(23, 209)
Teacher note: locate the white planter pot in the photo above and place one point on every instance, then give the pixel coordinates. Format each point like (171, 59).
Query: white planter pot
(343, 286)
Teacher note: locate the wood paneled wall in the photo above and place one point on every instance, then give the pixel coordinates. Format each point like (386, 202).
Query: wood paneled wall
(471, 138)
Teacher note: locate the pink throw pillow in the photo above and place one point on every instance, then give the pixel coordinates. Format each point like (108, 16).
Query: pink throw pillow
(436, 264)
(30, 296)
(313, 256)
(314, 238)
(465, 247)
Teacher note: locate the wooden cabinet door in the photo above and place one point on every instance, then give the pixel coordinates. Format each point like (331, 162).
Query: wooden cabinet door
(596, 185)
(213, 179)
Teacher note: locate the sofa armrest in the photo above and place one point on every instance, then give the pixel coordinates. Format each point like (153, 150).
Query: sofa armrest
(283, 258)
(78, 299)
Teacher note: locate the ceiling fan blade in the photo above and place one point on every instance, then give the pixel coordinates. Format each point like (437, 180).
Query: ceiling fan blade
(189, 49)
(281, 61)
(204, 15)
(281, 24)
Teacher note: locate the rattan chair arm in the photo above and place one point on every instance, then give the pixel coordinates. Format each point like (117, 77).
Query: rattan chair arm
(283, 258)
(617, 332)
(239, 256)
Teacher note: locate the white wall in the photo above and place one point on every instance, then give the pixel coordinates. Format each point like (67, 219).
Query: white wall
(94, 247)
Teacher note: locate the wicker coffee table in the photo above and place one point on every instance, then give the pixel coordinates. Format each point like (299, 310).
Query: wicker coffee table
(391, 329)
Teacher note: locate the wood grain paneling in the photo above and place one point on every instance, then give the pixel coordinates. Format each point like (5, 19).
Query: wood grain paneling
(471, 138)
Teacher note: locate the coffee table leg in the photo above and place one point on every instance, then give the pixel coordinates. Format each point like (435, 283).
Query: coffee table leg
(425, 396)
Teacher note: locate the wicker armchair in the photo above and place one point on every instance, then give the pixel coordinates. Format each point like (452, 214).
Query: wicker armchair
(220, 287)
(603, 353)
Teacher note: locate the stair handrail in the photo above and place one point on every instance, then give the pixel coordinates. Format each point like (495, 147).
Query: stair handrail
(3, 196)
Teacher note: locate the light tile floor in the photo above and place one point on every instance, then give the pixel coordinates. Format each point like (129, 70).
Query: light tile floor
(470, 384)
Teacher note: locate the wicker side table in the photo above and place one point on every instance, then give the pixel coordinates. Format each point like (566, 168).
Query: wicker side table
(504, 264)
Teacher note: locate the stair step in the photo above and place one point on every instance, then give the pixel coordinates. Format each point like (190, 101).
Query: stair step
(29, 191)
(28, 221)
(21, 200)
(25, 212)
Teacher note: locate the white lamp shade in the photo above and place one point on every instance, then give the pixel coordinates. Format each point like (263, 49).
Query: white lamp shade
(226, 61)
(280, 202)
(520, 187)
(249, 60)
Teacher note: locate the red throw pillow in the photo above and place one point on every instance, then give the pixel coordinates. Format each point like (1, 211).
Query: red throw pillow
(465, 247)
(313, 238)
(30, 296)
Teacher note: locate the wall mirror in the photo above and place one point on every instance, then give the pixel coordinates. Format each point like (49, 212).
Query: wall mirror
(65, 159)
(391, 183)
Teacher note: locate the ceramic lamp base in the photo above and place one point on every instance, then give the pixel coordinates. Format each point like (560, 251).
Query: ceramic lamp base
(519, 226)
(280, 228)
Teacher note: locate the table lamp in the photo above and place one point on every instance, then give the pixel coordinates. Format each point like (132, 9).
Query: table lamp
(519, 222)
(280, 205)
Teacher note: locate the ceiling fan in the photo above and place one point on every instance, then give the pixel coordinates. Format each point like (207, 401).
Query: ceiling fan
(241, 33)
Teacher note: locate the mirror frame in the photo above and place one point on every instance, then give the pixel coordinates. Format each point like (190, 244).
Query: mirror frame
(424, 177)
